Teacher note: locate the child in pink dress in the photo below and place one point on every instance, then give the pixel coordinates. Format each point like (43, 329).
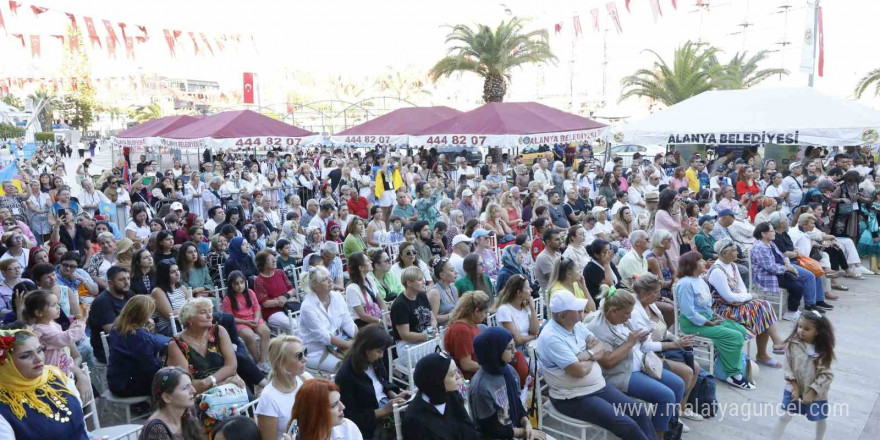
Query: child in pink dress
(41, 308)
(242, 303)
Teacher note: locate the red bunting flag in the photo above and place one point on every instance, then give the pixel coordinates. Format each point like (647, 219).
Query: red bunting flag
(612, 11)
(821, 45)
(219, 41)
(93, 34)
(177, 34)
(170, 40)
(192, 36)
(627, 6)
(595, 13)
(111, 34)
(60, 38)
(577, 25)
(20, 37)
(129, 47)
(655, 9)
(557, 27)
(146, 36)
(74, 39)
(674, 5)
(122, 28)
(13, 6)
(2, 24)
(248, 94)
(37, 10)
(207, 43)
(35, 46)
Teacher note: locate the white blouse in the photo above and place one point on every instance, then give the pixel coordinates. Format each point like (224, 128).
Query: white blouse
(727, 281)
(318, 324)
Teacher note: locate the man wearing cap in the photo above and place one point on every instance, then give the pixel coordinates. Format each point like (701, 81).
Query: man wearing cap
(643, 218)
(719, 179)
(726, 226)
(461, 246)
(794, 184)
(466, 205)
(704, 240)
(603, 228)
(569, 355)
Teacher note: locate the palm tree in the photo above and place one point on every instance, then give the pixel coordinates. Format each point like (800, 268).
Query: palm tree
(873, 77)
(51, 103)
(144, 114)
(402, 85)
(492, 54)
(12, 100)
(742, 73)
(689, 75)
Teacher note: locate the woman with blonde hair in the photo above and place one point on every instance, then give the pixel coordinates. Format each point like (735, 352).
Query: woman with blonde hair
(134, 350)
(412, 321)
(287, 356)
(515, 310)
(565, 276)
(495, 222)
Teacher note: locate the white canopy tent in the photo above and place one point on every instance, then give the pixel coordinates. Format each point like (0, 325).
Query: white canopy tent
(780, 116)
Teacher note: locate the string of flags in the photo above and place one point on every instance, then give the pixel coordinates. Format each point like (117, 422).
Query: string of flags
(611, 9)
(118, 34)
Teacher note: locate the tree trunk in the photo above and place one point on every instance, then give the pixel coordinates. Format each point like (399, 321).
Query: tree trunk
(494, 88)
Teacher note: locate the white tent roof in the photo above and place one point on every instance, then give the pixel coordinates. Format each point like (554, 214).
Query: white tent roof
(792, 116)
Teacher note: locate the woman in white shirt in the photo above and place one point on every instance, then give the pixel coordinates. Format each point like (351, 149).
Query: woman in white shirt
(325, 321)
(636, 193)
(364, 302)
(288, 359)
(733, 301)
(138, 230)
(193, 193)
(515, 311)
(575, 248)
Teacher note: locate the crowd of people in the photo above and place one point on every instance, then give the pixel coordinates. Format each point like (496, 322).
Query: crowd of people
(304, 279)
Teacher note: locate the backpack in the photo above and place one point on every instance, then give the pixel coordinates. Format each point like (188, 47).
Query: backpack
(702, 398)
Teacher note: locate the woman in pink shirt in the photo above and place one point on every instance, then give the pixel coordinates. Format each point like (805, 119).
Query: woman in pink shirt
(670, 217)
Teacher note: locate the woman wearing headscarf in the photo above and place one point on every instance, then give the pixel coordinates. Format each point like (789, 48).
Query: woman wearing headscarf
(437, 412)
(494, 391)
(512, 264)
(37, 400)
(240, 259)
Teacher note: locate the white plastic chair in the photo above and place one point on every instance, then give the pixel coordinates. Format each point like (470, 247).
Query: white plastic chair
(293, 321)
(562, 426)
(89, 403)
(173, 321)
(540, 309)
(125, 402)
(412, 355)
(249, 410)
(492, 320)
(118, 432)
(398, 420)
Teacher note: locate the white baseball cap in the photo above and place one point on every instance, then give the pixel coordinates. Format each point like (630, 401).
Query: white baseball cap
(563, 301)
(461, 238)
(467, 193)
(598, 209)
(176, 206)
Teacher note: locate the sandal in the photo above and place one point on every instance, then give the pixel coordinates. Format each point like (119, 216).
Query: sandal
(839, 287)
(771, 363)
(779, 350)
(857, 276)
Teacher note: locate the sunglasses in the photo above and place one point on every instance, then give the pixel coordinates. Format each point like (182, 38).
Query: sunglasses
(409, 253)
(302, 354)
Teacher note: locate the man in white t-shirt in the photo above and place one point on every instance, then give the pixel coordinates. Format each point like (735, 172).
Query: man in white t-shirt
(465, 170)
(794, 185)
(461, 246)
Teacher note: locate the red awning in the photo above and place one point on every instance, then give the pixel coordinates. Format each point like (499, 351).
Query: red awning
(500, 118)
(402, 121)
(158, 127)
(236, 124)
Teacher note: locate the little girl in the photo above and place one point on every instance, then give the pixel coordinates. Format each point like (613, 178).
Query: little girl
(808, 355)
(242, 303)
(41, 309)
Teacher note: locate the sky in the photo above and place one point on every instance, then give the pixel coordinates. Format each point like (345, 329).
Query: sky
(358, 39)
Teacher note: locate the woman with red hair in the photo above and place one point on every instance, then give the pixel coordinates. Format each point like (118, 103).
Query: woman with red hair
(318, 414)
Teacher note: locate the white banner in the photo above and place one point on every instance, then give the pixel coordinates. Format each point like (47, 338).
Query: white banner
(826, 137)
(255, 142)
(504, 140)
(809, 36)
(369, 140)
(135, 142)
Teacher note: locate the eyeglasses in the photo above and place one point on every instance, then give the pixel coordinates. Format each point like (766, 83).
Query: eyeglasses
(409, 253)
(302, 354)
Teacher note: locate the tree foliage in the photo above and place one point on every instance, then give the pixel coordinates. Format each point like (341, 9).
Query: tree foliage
(492, 54)
(742, 72)
(873, 77)
(9, 131)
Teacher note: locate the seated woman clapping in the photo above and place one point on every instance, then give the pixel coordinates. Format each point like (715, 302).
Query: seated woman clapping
(203, 348)
(135, 352)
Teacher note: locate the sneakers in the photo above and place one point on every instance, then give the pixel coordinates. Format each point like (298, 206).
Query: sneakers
(690, 415)
(863, 270)
(814, 308)
(742, 384)
(823, 305)
(792, 316)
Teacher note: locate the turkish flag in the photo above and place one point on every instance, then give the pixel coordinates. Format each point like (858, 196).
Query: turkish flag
(35, 46)
(13, 6)
(144, 30)
(170, 40)
(93, 35)
(248, 88)
(207, 43)
(557, 27)
(674, 6)
(129, 47)
(627, 6)
(821, 45)
(612, 11)
(2, 24)
(20, 37)
(192, 36)
(61, 39)
(595, 13)
(74, 40)
(37, 10)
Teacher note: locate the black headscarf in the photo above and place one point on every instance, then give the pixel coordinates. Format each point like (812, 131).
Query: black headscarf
(489, 346)
(429, 376)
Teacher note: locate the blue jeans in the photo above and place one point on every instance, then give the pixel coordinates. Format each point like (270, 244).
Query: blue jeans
(610, 409)
(813, 290)
(665, 393)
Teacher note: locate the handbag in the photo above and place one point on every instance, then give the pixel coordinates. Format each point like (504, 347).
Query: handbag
(652, 365)
(222, 401)
(811, 265)
(844, 208)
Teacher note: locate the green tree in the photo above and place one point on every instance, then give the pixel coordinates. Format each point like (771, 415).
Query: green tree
(9, 131)
(50, 104)
(78, 109)
(10, 99)
(741, 72)
(690, 74)
(147, 113)
(492, 54)
(873, 77)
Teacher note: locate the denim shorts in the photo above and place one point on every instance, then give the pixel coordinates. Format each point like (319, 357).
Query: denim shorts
(818, 410)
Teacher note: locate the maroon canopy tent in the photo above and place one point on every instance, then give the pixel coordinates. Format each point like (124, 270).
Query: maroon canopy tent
(233, 129)
(393, 128)
(509, 124)
(148, 132)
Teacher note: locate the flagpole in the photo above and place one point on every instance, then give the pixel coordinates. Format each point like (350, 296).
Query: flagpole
(815, 38)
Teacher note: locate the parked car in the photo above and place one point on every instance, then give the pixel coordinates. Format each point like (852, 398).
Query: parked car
(627, 151)
(472, 154)
(532, 153)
